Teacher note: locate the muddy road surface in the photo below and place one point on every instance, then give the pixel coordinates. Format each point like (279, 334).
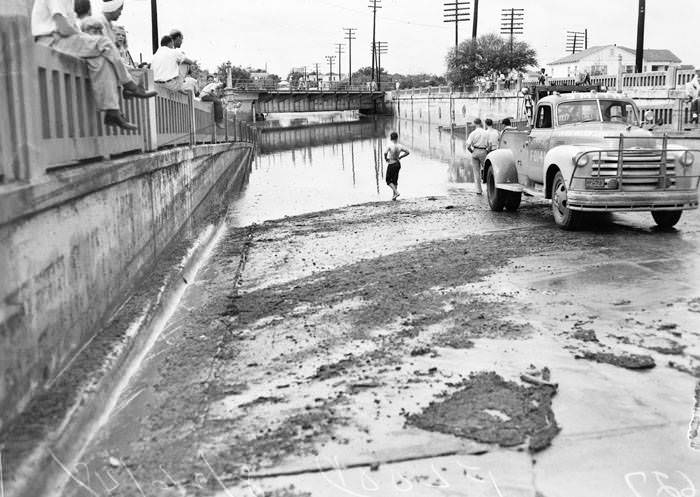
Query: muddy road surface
(426, 347)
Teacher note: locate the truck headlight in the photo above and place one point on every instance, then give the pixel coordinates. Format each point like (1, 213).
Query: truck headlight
(582, 159)
(686, 159)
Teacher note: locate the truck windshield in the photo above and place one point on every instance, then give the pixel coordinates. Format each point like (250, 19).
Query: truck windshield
(614, 111)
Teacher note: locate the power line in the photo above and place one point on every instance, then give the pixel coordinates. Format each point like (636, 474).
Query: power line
(456, 12)
(576, 41)
(512, 22)
(374, 5)
(330, 59)
(340, 47)
(350, 35)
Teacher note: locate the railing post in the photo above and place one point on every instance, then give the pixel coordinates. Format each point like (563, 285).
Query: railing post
(150, 134)
(21, 156)
(193, 119)
(619, 73)
(671, 76)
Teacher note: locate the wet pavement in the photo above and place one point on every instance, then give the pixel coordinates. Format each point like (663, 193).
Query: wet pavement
(423, 347)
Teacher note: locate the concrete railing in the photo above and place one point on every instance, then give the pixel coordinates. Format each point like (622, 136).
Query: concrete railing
(49, 118)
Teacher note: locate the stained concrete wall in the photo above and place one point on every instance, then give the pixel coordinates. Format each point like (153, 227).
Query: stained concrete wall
(73, 245)
(444, 109)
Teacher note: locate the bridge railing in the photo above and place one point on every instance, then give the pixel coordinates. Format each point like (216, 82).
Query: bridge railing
(320, 87)
(59, 107)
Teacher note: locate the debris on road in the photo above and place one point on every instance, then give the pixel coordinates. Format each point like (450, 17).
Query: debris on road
(526, 413)
(628, 361)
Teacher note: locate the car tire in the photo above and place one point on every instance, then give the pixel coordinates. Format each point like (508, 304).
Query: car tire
(513, 201)
(496, 196)
(666, 219)
(563, 216)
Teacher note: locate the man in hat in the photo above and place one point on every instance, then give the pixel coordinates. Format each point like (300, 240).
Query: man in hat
(54, 24)
(478, 147)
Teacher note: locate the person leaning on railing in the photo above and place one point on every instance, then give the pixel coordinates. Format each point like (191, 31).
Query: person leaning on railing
(209, 94)
(54, 24)
(166, 64)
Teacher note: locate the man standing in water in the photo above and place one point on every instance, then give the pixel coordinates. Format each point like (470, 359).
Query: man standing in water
(393, 155)
(478, 147)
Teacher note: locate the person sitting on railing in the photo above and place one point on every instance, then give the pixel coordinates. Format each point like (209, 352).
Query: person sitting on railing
(123, 46)
(210, 94)
(190, 84)
(166, 64)
(54, 24)
(178, 38)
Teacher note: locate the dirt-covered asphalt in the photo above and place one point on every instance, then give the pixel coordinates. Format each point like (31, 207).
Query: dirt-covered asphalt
(421, 347)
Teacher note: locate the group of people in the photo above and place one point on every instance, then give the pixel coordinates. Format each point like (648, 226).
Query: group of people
(173, 69)
(71, 27)
(482, 140)
(55, 24)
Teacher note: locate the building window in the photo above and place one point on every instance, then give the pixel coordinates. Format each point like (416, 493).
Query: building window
(599, 70)
(629, 69)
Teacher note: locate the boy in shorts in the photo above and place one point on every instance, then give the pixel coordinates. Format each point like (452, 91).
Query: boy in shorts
(393, 155)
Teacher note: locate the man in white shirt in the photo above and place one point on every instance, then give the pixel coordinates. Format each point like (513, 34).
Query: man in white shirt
(478, 146)
(54, 24)
(166, 65)
(209, 94)
(178, 38)
(492, 134)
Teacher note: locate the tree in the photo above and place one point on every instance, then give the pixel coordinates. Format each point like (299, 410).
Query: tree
(238, 74)
(294, 78)
(490, 54)
(364, 75)
(418, 80)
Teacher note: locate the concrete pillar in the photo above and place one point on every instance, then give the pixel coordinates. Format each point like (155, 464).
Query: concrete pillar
(21, 156)
(619, 73)
(671, 76)
(150, 134)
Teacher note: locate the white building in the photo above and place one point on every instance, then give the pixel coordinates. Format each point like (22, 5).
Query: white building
(606, 59)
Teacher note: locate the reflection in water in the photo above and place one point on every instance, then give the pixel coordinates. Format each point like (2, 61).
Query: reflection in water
(328, 166)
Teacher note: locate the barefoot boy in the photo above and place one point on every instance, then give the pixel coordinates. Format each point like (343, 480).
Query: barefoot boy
(393, 155)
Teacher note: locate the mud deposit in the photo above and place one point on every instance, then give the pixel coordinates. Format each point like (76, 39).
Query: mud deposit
(489, 409)
(628, 361)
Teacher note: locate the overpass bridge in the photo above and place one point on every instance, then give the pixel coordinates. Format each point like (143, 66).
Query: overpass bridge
(255, 101)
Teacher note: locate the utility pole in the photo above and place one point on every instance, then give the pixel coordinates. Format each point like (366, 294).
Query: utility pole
(340, 47)
(576, 41)
(476, 19)
(330, 59)
(512, 23)
(639, 62)
(350, 35)
(380, 48)
(154, 26)
(317, 85)
(456, 12)
(374, 5)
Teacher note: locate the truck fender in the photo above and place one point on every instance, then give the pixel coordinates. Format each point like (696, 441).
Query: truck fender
(503, 164)
(559, 158)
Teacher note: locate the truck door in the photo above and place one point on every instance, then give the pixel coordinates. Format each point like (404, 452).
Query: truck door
(537, 144)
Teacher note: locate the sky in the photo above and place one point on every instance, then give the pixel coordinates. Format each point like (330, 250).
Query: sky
(294, 33)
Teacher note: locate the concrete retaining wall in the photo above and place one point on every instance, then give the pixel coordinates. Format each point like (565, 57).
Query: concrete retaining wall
(73, 245)
(446, 109)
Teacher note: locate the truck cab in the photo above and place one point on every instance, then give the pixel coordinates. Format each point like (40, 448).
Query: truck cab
(588, 152)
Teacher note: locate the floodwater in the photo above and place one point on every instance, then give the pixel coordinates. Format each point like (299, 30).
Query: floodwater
(336, 160)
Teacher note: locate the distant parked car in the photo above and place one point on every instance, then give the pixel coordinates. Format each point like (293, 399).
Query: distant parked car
(283, 85)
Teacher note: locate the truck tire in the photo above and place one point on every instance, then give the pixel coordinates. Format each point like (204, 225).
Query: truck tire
(496, 196)
(563, 216)
(666, 219)
(513, 201)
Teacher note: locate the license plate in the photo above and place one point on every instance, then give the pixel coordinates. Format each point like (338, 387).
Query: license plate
(595, 183)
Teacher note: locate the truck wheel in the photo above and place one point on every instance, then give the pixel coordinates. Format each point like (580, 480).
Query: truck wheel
(666, 219)
(496, 196)
(513, 201)
(563, 216)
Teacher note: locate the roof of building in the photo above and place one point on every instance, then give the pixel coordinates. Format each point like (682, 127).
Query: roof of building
(650, 55)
